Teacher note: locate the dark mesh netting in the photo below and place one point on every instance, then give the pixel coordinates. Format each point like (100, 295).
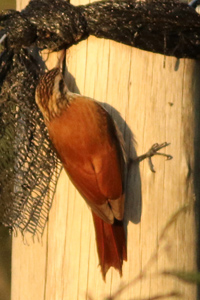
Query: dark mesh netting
(29, 167)
(169, 27)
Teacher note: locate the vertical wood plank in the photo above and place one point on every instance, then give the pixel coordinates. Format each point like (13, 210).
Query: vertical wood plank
(155, 104)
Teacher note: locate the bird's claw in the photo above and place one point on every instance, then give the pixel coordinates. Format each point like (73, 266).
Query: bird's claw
(153, 151)
(156, 147)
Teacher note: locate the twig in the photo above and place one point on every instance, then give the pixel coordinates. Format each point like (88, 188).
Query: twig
(154, 256)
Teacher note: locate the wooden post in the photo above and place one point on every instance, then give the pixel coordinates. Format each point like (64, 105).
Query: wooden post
(155, 97)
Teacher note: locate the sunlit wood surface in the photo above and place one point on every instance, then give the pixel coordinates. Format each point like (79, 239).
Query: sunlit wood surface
(151, 97)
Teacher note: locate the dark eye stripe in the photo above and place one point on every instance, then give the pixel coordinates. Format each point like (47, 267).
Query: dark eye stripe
(61, 86)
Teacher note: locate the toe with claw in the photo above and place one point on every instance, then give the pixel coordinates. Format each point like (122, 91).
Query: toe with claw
(153, 151)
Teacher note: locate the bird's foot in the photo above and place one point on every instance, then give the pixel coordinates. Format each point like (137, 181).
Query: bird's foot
(153, 151)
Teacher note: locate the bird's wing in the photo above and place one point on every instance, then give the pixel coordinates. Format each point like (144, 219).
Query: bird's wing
(101, 185)
(91, 154)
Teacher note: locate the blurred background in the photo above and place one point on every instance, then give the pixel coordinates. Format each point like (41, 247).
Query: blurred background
(7, 4)
(5, 237)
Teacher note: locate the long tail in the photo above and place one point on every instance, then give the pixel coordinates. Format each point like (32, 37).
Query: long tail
(111, 244)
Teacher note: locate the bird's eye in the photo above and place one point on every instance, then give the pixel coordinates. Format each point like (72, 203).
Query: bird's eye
(61, 86)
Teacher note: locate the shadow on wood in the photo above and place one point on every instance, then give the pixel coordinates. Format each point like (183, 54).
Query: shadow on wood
(133, 200)
(196, 82)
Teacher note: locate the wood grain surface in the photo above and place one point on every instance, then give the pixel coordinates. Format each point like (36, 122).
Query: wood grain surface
(152, 98)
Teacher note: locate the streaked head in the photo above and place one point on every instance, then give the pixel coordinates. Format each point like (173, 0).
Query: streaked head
(51, 93)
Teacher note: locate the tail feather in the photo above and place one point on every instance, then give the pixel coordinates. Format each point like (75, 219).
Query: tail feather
(111, 244)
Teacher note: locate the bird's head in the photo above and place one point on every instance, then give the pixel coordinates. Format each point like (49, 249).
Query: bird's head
(51, 94)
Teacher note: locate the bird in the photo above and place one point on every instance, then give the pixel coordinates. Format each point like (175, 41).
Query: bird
(91, 149)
